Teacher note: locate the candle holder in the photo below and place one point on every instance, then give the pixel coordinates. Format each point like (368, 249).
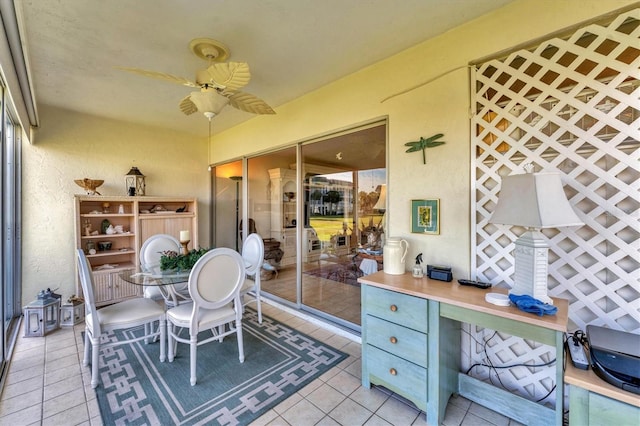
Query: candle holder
(185, 248)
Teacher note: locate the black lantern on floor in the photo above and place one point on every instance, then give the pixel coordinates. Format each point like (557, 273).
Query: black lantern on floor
(134, 182)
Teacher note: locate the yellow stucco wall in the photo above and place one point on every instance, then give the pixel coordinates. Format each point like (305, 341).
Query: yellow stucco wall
(74, 146)
(441, 106)
(71, 145)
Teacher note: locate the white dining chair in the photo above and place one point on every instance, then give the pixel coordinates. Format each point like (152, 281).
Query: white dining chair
(151, 251)
(253, 256)
(214, 286)
(119, 316)
(150, 254)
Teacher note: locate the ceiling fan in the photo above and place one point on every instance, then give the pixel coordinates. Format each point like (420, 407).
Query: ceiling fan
(218, 83)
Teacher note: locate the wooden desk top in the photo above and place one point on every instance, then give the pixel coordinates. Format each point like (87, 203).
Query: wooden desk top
(588, 380)
(466, 297)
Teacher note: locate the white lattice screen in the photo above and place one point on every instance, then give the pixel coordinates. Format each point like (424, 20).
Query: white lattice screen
(570, 105)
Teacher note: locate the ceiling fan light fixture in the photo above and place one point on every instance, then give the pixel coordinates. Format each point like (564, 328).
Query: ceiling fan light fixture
(209, 101)
(218, 83)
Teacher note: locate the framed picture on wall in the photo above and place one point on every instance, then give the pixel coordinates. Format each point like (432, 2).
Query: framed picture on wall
(425, 216)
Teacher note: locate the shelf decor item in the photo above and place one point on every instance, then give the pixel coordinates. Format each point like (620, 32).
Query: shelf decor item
(134, 179)
(89, 185)
(425, 216)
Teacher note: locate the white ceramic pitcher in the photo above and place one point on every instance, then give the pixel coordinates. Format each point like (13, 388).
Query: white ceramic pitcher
(394, 253)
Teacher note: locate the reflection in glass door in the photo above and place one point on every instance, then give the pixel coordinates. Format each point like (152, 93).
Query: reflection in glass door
(322, 225)
(227, 187)
(343, 223)
(272, 213)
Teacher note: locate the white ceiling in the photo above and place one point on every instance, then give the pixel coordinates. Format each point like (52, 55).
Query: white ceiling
(292, 46)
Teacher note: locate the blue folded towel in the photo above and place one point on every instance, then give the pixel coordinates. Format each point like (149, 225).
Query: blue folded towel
(529, 304)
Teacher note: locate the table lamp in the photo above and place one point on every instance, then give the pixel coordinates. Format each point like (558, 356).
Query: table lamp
(381, 204)
(533, 201)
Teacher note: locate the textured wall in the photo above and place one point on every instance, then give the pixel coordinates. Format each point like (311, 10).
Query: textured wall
(441, 106)
(72, 146)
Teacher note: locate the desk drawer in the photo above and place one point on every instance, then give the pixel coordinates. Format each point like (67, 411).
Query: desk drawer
(399, 308)
(401, 341)
(398, 375)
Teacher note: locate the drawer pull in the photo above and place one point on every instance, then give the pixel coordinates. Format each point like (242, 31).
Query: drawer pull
(393, 340)
(393, 308)
(393, 372)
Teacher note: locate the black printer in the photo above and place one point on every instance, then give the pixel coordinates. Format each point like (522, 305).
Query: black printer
(615, 357)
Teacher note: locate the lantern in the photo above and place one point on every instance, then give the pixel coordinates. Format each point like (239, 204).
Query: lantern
(71, 313)
(41, 317)
(134, 182)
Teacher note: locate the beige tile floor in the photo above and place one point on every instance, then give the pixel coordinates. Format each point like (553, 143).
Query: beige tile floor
(47, 385)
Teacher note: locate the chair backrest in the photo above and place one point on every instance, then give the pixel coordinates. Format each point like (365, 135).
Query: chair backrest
(154, 246)
(253, 254)
(86, 280)
(216, 280)
(252, 227)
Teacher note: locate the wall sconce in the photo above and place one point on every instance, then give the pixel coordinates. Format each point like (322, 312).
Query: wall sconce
(534, 201)
(134, 182)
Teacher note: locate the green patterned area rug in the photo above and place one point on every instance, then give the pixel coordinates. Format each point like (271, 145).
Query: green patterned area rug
(136, 388)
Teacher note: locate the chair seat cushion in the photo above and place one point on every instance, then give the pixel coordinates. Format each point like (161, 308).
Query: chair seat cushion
(181, 316)
(128, 313)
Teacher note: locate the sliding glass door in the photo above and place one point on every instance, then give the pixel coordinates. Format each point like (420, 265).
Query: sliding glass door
(10, 247)
(319, 207)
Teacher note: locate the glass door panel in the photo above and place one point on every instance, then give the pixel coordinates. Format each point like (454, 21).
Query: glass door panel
(343, 177)
(272, 213)
(227, 187)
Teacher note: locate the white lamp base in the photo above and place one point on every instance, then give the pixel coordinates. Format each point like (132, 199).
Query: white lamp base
(531, 266)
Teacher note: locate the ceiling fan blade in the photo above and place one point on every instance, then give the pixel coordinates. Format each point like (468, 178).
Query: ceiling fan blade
(229, 75)
(160, 76)
(249, 103)
(187, 106)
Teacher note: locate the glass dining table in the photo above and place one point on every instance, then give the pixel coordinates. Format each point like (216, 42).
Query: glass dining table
(171, 284)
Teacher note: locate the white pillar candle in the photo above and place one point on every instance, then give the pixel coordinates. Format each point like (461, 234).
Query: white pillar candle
(184, 236)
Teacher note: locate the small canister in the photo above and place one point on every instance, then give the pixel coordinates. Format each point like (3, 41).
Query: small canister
(91, 247)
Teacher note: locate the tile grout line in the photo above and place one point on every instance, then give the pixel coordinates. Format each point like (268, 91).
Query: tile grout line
(44, 374)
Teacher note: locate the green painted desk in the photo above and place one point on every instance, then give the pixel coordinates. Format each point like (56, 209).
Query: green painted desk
(592, 401)
(411, 344)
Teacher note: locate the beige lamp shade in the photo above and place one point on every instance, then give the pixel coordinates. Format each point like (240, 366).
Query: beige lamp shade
(381, 204)
(534, 200)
